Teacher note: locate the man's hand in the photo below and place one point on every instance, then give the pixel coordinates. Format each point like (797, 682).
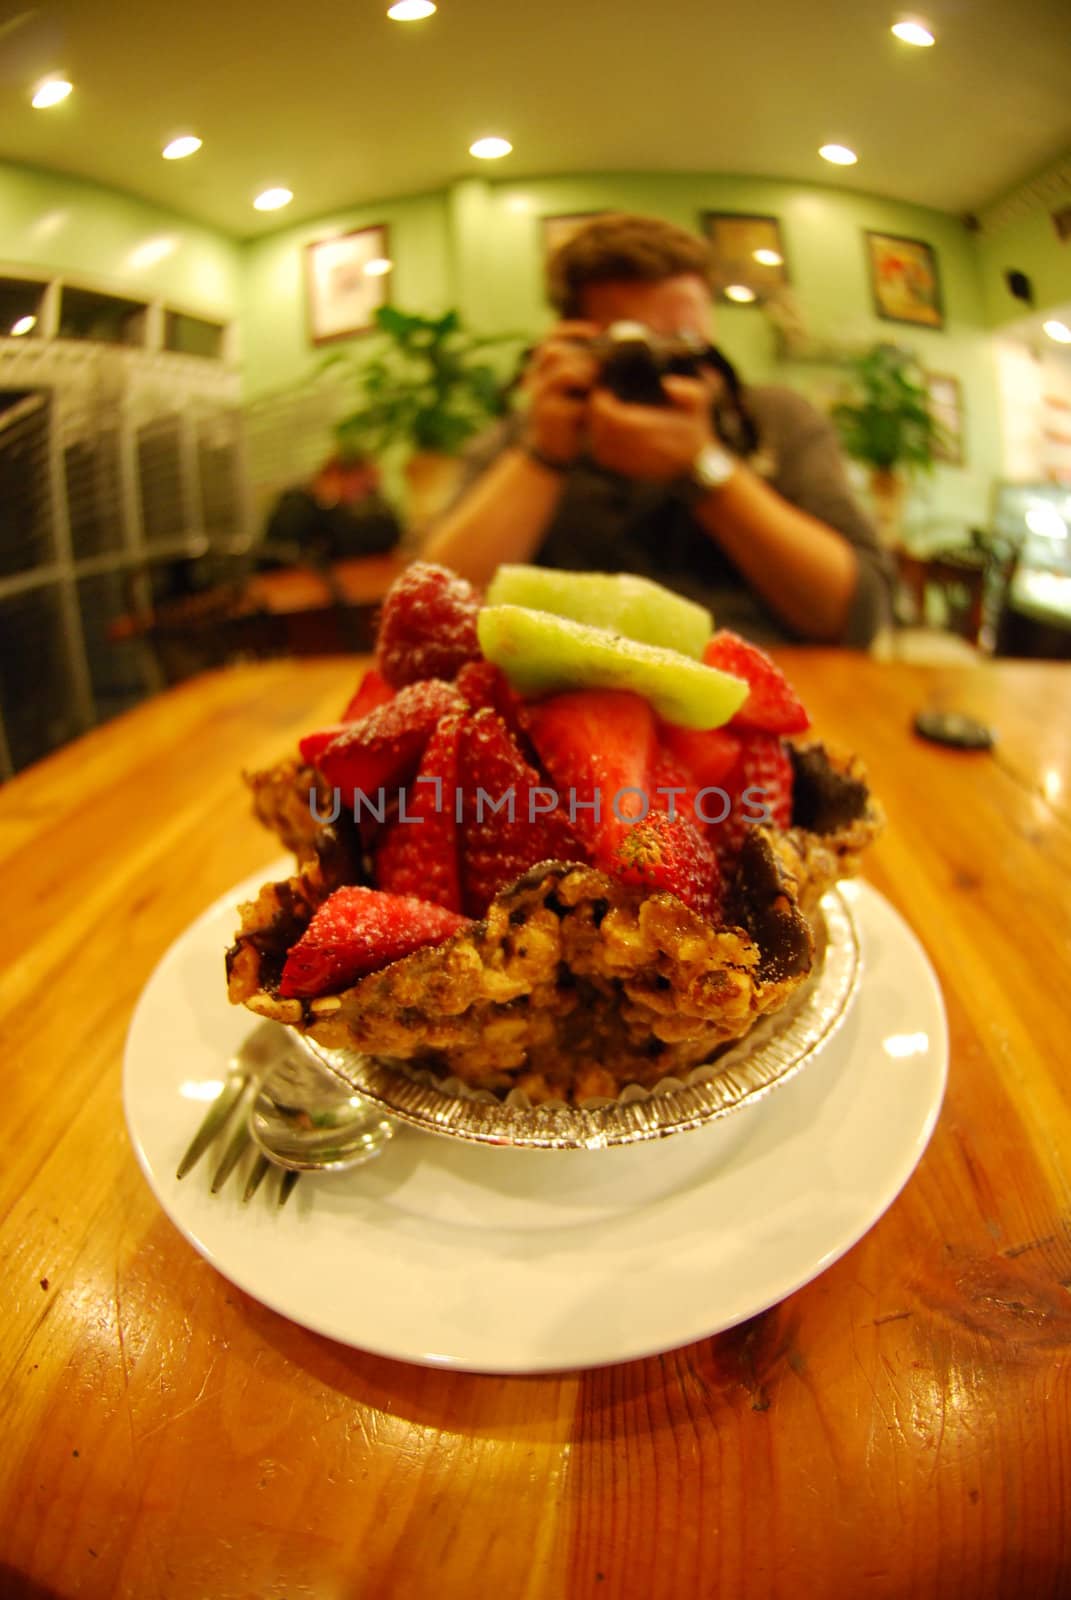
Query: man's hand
(558, 384)
(658, 443)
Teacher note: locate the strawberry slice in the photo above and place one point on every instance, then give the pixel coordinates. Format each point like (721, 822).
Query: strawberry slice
(708, 757)
(498, 845)
(384, 749)
(418, 851)
(372, 691)
(763, 780)
(773, 705)
(484, 684)
(313, 745)
(356, 931)
(658, 854)
(596, 743)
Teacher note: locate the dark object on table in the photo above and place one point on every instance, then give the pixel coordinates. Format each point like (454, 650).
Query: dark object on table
(954, 728)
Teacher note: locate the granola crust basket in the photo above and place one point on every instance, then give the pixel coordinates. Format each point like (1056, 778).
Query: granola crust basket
(578, 998)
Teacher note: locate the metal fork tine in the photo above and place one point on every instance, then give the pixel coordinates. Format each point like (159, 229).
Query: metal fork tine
(218, 1113)
(256, 1177)
(286, 1188)
(240, 1139)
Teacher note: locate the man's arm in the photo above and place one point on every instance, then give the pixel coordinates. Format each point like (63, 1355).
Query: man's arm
(501, 518)
(505, 513)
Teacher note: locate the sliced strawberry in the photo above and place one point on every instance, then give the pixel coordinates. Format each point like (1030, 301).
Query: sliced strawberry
(484, 684)
(418, 850)
(498, 845)
(372, 691)
(773, 705)
(761, 782)
(384, 749)
(427, 628)
(708, 756)
(358, 930)
(313, 745)
(594, 743)
(658, 854)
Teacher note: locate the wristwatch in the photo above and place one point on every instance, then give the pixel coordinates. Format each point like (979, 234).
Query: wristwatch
(712, 468)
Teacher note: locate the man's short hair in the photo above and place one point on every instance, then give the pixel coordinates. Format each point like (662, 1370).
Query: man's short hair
(622, 248)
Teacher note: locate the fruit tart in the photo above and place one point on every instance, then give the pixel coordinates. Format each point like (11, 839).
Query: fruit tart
(565, 838)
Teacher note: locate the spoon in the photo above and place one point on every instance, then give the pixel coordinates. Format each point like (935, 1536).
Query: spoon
(307, 1120)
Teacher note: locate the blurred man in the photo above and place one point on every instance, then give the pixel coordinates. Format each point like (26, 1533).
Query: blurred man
(735, 496)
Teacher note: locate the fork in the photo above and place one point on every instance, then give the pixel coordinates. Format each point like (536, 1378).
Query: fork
(232, 1107)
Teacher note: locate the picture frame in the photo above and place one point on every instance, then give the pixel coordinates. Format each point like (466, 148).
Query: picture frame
(904, 280)
(946, 406)
(557, 230)
(734, 238)
(342, 297)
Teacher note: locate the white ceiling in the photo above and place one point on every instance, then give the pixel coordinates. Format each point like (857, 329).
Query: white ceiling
(341, 105)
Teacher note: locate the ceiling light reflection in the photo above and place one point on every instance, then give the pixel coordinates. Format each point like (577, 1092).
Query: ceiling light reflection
(51, 92)
(272, 199)
(839, 155)
(902, 1045)
(740, 293)
(911, 31)
(23, 325)
(490, 149)
(179, 148)
(767, 258)
(151, 251)
(378, 267)
(202, 1089)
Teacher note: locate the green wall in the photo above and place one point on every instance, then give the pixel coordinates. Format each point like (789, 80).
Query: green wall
(1029, 244)
(276, 349)
(63, 225)
(478, 246)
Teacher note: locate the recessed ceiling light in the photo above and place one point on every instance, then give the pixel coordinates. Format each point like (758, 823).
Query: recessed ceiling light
(23, 325)
(767, 258)
(272, 199)
(911, 31)
(50, 92)
(1059, 331)
(378, 267)
(490, 149)
(740, 293)
(410, 10)
(839, 154)
(185, 146)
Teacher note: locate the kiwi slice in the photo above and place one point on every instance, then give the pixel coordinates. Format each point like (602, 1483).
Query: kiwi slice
(541, 654)
(620, 601)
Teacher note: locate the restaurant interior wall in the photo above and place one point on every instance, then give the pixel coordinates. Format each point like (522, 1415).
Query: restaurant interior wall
(479, 247)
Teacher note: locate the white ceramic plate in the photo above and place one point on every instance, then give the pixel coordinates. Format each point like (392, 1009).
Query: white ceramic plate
(503, 1260)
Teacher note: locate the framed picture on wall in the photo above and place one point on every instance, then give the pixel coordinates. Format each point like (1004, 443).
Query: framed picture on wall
(946, 407)
(749, 256)
(346, 282)
(904, 280)
(556, 230)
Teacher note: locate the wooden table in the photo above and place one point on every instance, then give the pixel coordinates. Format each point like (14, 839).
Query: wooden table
(899, 1428)
(285, 611)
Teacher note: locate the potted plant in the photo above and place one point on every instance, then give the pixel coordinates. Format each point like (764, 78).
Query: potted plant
(888, 425)
(424, 386)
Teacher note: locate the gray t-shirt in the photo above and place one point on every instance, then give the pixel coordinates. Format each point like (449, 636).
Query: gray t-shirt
(608, 523)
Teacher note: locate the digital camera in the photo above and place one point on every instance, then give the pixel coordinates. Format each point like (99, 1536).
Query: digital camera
(633, 360)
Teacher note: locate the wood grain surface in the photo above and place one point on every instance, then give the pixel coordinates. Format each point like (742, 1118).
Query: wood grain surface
(899, 1428)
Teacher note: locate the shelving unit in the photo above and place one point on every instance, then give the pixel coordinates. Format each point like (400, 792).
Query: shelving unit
(121, 473)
